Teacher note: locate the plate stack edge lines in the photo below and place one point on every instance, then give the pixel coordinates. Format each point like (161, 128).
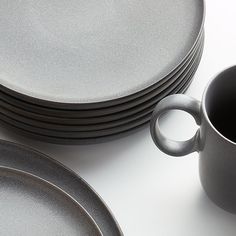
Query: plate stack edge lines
(87, 103)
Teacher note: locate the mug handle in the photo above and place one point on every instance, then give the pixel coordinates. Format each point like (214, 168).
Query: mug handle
(173, 102)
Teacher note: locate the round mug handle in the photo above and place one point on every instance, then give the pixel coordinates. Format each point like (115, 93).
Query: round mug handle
(173, 102)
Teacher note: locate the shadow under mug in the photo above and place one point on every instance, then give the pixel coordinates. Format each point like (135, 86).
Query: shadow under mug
(215, 140)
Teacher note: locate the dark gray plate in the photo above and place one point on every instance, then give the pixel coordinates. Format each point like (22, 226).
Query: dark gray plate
(38, 201)
(69, 60)
(47, 209)
(120, 132)
(160, 86)
(104, 129)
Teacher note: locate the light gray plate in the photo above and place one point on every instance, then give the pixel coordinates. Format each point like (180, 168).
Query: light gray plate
(38, 196)
(120, 131)
(86, 131)
(32, 206)
(63, 55)
(88, 114)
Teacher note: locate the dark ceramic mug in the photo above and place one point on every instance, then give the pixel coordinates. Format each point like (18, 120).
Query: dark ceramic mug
(215, 140)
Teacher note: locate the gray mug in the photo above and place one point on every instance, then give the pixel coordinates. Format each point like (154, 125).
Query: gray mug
(215, 140)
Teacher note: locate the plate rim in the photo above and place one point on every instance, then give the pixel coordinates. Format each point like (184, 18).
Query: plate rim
(12, 146)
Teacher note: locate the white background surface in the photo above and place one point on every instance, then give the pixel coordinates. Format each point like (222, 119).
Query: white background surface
(149, 192)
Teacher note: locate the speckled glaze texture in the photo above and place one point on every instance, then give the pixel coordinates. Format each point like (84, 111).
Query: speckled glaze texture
(58, 131)
(47, 209)
(217, 152)
(114, 112)
(36, 189)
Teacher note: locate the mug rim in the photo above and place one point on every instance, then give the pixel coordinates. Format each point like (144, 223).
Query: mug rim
(203, 104)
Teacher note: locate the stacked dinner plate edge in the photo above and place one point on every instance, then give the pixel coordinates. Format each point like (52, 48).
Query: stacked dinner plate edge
(101, 138)
(40, 120)
(85, 141)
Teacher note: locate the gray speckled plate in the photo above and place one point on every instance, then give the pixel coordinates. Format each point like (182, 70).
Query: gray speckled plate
(85, 131)
(39, 196)
(115, 133)
(85, 54)
(24, 107)
(104, 132)
(43, 138)
(47, 209)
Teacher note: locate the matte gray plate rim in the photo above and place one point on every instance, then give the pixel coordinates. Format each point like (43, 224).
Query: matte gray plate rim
(83, 134)
(95, 121)
(92, 104)
(140, 121)
(106, 111)
(90, 140)
(39, 164)
(60, 141)
(93, 112)
(74, 135)
(93, 133)
(55, 188)
(28, 106)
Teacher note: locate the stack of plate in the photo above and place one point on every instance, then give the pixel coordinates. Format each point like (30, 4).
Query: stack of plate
(85, 72)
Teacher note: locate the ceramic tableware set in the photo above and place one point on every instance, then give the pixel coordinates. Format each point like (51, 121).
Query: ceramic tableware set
(80, 72)
(83, 73)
